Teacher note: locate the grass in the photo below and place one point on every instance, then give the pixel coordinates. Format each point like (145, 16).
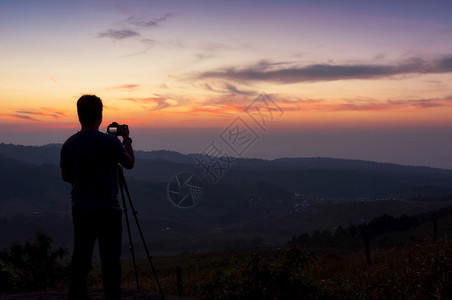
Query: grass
(404, 265)
(421, 270)
(418, 271)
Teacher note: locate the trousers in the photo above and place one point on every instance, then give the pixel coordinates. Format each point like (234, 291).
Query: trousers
(106, 228)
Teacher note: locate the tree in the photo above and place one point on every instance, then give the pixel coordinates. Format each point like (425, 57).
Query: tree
(34, 266)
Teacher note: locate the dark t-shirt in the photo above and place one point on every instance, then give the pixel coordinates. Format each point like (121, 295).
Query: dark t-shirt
(91, 159)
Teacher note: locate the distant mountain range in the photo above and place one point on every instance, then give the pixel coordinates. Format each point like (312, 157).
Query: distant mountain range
(271, 200)
(328, 178)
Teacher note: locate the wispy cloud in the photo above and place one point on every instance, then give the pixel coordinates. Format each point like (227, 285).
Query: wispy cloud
(422, 103)
(44, 112)
(362, 104)
(228, 88)
(34, 115)
(137, 24)
(210, 50)
(120, 34)
(239, 103)
(288, 73)
(161, 103)
(235, 90)
(148, 21)
(154, 103)
(22, 117)
(233, 104)
(225, 103)
(127, 87)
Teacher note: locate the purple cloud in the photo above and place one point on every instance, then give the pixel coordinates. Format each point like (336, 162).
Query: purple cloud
(280, 72)
(118, 34)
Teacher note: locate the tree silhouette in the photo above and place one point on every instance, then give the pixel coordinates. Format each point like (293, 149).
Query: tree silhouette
(33, 266)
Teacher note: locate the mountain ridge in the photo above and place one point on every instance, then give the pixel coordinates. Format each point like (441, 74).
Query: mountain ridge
(49, 153)
(254, 198)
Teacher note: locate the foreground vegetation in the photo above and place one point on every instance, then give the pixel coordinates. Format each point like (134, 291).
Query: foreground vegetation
(416, 271)
(319, 266)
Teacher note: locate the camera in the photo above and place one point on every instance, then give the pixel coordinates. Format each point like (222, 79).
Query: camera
(116, 129)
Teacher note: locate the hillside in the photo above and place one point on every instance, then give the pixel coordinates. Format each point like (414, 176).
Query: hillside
(328, 178)
(256, 202)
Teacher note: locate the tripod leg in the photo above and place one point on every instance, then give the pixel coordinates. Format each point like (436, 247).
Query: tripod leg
(134, 212)
(131, 246)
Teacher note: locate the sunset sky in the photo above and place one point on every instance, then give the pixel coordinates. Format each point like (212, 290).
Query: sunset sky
(365, 80)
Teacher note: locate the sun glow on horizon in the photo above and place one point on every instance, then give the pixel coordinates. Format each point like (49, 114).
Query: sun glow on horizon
(173, 65)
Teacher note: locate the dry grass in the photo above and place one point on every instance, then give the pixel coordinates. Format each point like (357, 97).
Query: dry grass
(417, 271)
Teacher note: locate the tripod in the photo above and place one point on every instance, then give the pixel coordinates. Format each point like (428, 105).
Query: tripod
(123, 187)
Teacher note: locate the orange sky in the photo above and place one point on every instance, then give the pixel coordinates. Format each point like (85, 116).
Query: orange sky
(174, 65)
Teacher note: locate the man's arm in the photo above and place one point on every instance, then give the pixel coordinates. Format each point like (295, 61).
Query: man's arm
(65, 175)
(127, 143)
(65, 171)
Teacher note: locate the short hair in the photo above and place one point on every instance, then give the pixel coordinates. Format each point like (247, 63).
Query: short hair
(89, 109)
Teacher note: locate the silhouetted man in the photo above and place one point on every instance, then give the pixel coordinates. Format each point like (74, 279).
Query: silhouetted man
(89, 161)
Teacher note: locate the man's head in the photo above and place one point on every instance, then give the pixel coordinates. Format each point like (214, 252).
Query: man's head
(89, 110)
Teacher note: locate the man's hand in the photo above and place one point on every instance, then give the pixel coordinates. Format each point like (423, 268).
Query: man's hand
(127, 142)
(125, 131)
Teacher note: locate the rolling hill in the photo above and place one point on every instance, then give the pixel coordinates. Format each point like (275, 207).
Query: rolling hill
(265, 201)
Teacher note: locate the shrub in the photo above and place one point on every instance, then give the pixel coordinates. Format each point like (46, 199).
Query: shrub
(33, 266)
